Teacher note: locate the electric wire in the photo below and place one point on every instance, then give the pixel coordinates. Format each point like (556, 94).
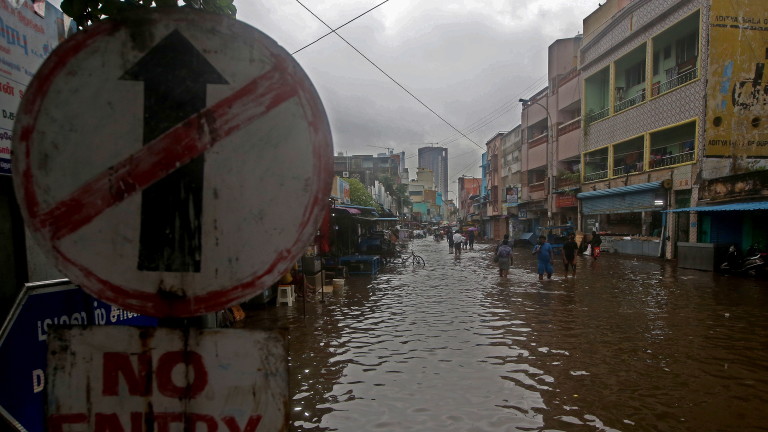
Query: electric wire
(473, 127)
(390, 77)
(337, 28)
(496, 113)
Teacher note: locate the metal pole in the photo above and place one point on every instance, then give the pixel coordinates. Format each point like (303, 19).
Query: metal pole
(550, 157)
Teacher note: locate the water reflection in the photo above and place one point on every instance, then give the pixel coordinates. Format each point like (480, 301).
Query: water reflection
(629, 344)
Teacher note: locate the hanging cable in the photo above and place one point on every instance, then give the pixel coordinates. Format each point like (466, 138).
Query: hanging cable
(390, 77)
(334, 30)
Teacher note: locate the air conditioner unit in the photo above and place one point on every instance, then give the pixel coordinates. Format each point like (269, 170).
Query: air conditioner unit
(345, 174)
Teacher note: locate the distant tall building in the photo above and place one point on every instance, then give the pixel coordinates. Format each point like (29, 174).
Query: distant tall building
(436, 159)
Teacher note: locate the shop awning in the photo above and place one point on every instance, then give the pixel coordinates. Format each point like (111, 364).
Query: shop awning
(760, 205)
(348, 210)
(627, 199)
(620, 190)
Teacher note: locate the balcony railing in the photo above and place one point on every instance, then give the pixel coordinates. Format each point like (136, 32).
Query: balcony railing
(569, 126)
(566, 182)
(541, 139)
(598, 175)
(536, 187)
(678, 80)
(599, 115)
(628, 169)
(626, 103)
(674, 159)
(573, 73)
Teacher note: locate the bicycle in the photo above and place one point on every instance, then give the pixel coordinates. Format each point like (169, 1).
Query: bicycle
(414, 259)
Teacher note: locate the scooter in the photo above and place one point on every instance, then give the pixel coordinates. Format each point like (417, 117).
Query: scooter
(754, 263)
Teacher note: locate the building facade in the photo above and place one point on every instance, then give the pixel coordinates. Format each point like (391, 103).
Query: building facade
(552, 143)
(367, 168)
(436, 160)
(511, 179)
(644, 98)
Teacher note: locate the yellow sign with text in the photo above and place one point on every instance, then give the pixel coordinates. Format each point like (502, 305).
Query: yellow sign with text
(737, 89)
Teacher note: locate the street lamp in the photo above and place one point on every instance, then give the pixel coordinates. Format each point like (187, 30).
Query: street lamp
(550, 155)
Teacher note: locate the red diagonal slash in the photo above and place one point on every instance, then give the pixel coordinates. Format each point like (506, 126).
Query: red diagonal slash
(176, 147)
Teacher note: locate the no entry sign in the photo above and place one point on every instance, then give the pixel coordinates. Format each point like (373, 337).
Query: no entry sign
(135, 379)
(172, 162)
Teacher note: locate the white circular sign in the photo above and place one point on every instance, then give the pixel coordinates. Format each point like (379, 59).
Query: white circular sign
(172, 162)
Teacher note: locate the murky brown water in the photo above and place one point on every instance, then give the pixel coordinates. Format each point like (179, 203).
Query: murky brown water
(630, 344)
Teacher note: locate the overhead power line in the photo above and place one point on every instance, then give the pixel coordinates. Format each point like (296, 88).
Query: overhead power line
(390, 77)
(496, 113)
(334, 30)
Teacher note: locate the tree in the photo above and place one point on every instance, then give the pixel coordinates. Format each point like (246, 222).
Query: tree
(359, 195)
(87, 12)
(398, 192)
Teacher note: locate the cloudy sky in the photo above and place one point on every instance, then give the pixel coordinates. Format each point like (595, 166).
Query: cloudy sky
(468, 61)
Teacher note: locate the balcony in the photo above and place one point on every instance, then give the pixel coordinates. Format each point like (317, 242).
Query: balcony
(597, 175)
(567, 180)
(573, 73)
(595, 116)
(536, 187)
(541, 139)
(569, 126)
(627, 169)
(675, 159)
(677, 80)
(626, 103)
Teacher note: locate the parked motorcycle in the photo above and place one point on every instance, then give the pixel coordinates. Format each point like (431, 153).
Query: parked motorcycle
(753, 263)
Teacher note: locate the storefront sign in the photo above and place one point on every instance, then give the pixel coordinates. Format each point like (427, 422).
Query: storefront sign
(566, 200)
(26, 40)
(737, 98)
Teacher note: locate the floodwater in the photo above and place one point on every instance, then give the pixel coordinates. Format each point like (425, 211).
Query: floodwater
(629, 344)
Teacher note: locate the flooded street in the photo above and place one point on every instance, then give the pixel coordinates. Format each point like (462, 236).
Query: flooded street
(629, 344)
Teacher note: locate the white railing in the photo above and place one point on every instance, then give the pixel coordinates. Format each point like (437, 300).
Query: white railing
(626, 103)
(598, 175)
(595, 116)
(678, 80)
(674, 159)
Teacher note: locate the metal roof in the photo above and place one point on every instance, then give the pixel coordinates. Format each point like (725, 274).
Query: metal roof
(759, 205)
(620, 190)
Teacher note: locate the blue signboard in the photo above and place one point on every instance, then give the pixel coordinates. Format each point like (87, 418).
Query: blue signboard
(23, 347)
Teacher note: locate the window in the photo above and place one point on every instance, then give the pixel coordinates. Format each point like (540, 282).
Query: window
(635, 74)
(667, 52)
(686, 48)
(628, 156)
(673, 146)
(656, 60)
(596, 164)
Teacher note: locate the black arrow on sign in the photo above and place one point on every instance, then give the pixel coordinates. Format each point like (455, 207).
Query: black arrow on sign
(175, 76)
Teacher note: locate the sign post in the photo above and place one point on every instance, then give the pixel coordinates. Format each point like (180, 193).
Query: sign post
(174, 163)
(190, 173)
